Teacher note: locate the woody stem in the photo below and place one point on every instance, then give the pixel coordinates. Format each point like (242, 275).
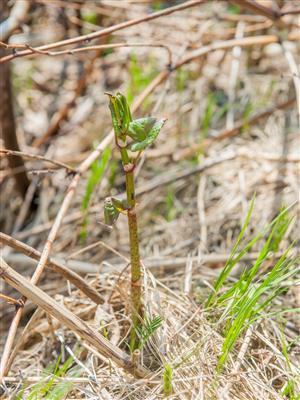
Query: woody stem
(134, 249)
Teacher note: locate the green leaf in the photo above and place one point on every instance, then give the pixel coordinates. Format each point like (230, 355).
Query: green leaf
(148, 328)
(149, 136)
(120, 114)
(140, 128)
(167, 378)
(112, 209)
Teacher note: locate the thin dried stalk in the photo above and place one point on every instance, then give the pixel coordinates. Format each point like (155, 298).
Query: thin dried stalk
(59, 164)
(90, 48)
(260, 9)
(106, 31)
(70, 275)
(8, 129)
(67, 318)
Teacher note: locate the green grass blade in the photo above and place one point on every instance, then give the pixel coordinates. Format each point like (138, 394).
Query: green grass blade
(229, 264)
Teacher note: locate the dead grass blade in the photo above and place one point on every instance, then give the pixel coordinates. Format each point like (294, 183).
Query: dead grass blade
(67, 318)
(70, 275)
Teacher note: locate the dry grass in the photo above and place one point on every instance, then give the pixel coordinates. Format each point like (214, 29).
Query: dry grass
(189, 218)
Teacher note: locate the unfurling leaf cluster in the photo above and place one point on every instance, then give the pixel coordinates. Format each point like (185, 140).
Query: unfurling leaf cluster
(120, 114)
(142, 131)
(112, 209)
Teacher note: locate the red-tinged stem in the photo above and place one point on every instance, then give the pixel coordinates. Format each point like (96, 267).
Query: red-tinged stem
(136, 291)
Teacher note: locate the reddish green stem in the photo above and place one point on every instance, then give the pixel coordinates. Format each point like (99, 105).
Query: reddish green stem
(134, 250)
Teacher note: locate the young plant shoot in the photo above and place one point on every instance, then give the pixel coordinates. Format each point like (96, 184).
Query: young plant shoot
(130, 136)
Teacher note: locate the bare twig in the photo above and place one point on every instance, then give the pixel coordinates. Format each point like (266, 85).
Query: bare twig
(152, 185)
(67, 318)
(260, 9)
(10, 300)
(37, 157)
(55, 266)
(96, 35)
(202, 51)
(249, 41)
(206, 259)
(291, 11)
(18, 14)
(76, 50)
(8, 129)
(83, 267)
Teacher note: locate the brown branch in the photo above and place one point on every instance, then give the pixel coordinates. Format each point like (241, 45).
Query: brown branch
(244, 42)
(37, 157)
(260, 9)
(76, 50)
(104, 32)
(47, 248)
(18, 14)
(10, 300)
(67, 318)
(8, 129)
(68, 274)
(27, 204)
(290, 12)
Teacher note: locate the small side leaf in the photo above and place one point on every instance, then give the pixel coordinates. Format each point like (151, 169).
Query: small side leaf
(112, 209)
(139, 128)
(149, 136)
(111, 213)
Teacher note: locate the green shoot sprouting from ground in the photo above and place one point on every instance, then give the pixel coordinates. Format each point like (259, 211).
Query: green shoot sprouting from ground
(147, 329)
(246, 300)
(134, 136)
(52, 386)
(168, 374)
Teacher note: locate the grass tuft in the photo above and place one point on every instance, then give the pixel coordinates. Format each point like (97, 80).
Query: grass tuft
(245, 301)
(49, 388)
(148, 328)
